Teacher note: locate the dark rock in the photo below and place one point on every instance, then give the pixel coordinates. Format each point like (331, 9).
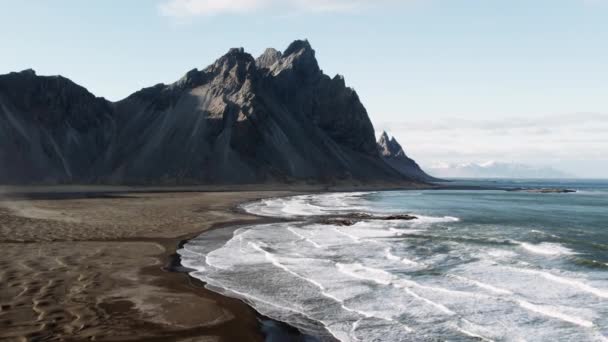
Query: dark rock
(268, 58)
(51, 129)
(394, 155)
(360, 216)
(544, 190)
(334, 221)
(352, 218)
(240, 120)
(400, 217)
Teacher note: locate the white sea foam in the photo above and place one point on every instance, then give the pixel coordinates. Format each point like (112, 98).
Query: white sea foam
(391, 256)
(552, 312)
(502, 253)
(366, 273)
(482, 285)
(271, 258)
(400, 231)
(316, 245)
(566, 281)
(422, 219)
(544, 233)
(362, 283)
(472, 334)
(384, 278)
(307, 205)
(547, 248)
(439, 306)
(350, 236)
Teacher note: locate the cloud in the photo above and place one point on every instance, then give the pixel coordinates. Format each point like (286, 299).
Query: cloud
(543, 141)
(193, 8)
(189, 8)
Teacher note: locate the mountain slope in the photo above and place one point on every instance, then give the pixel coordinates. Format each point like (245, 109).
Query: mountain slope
(240, 120)
(393, 154)
(51, 130)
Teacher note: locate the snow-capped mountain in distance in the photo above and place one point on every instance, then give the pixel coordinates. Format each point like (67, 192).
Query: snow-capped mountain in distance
(494, 169)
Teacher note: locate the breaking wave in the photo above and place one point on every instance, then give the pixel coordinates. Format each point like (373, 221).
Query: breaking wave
(439, 277)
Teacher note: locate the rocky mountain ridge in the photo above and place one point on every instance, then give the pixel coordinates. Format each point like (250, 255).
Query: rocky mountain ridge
(277, 118)
(394, 155)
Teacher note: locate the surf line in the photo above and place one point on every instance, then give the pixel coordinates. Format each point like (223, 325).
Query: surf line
(272, 259)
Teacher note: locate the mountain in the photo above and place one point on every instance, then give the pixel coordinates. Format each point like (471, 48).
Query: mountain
(393, 154)
(277, 118)
(51, 129)
(493, 169)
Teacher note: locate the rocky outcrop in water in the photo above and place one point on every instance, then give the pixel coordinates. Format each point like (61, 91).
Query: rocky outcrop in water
(392, 152)
(277, 118)
(347, 220)
(544, 190)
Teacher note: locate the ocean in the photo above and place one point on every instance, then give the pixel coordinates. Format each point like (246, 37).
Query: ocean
(476, 265)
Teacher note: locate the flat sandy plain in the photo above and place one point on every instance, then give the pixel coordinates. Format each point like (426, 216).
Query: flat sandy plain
(81, 265)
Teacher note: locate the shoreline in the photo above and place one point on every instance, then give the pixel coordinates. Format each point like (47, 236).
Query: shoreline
(275, 330)
(96, 264)
(105, 272)
(272, 329)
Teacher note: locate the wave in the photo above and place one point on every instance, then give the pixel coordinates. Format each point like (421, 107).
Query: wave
(552, 312)
(392, 257)
(440, 307)
(421, 219)
(359, 271)
(482, 285)
(546, 248)
(540, 232)
(436, 274)
(354, 238)
(472, 334)
(382, 277)
(307, 205)
(272, 259)
(304, 238)
(565, 281)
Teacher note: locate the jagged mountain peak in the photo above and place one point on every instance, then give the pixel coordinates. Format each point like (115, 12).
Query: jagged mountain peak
(390, 147)
(235, 57)
(236, 65)
(299, 57)
(394, 155)
(384, 138)
(268, 58)
(299, 46)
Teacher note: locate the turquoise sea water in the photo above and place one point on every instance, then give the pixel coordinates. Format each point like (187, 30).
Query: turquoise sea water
(476, 264)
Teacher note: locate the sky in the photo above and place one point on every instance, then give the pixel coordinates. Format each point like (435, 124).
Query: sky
(455, 81)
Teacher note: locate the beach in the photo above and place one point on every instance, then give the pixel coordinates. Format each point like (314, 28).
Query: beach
(100, 262)
(90, 265)
(109, 264)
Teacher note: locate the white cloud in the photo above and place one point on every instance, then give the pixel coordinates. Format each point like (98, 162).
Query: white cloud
(557, 141)
(192, 8)
(188, 8)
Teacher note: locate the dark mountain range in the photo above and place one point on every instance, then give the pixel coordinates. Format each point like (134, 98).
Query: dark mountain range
(392, 152)
(277, 118)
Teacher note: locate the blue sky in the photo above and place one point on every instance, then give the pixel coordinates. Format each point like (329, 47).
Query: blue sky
(454, 80)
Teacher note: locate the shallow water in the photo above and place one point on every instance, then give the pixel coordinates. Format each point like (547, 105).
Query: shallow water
(475, 265)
